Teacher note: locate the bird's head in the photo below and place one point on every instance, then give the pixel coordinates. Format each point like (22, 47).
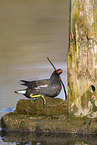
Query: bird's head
(56, 73)
(59, 71)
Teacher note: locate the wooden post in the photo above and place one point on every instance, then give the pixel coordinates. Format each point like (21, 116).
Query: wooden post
(82, 59)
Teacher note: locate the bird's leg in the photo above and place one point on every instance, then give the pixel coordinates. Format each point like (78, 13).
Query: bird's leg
(37, 96)
(34, 96)
(44, 100)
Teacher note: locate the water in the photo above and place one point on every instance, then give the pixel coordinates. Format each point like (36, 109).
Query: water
(31, 31)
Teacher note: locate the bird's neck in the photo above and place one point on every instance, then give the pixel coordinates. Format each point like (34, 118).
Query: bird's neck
(54, 78)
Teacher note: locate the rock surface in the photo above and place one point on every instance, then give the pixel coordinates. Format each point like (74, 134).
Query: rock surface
(31, 116)
(54, 107)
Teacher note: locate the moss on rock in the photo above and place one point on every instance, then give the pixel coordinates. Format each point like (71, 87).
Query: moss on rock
(76, 125)
(31, 116)
(54, 107)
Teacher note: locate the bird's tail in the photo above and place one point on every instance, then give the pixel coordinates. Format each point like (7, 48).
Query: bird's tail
(21, 91)
(25, 83)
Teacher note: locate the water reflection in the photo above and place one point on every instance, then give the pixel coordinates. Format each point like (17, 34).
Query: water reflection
(48, 139)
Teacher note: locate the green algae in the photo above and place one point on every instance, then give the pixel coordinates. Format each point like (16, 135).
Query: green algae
(66, 124)
(31, 116)
(54, 107)
(82, 60)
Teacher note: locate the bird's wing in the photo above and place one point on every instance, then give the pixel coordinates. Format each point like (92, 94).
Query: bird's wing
(35, 84)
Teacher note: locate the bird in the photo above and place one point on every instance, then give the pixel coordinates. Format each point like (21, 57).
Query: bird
(42, 88)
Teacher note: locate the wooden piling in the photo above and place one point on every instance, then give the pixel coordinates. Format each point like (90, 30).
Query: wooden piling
(82, 58)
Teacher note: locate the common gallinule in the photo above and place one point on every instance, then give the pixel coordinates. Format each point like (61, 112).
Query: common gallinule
(42, 88)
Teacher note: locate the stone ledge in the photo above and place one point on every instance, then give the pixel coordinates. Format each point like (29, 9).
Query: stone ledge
(31, 116)
(61, 124)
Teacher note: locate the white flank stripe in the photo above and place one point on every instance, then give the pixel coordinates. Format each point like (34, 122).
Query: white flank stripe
(43, 86)
(21, 91)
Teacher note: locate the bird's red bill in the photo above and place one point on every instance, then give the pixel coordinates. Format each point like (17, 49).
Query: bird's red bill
(59, 71)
